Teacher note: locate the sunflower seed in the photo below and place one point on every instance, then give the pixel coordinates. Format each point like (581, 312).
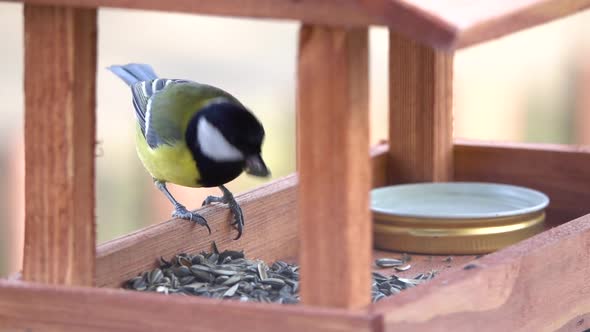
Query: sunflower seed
(470, 266)
(274, 282)
(229, 274)
(155, 276)
(181, 271)
(231, 280)
(203, 276)
(262, 271)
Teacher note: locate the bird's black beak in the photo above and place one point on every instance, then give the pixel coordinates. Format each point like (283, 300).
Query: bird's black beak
(255, 166)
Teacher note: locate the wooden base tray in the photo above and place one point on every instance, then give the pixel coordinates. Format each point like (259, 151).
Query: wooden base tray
(540, 284)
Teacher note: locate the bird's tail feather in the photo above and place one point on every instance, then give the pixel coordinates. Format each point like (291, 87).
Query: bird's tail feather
(134, 72)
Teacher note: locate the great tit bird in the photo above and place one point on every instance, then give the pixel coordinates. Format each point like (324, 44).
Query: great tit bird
(193, 135)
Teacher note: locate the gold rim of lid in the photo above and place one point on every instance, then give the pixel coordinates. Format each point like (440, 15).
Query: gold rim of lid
(453, 236)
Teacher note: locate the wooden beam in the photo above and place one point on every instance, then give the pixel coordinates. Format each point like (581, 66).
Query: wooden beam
(561, 172)
(539, 284)
(60, 66)
(333, 165)
(453, 24)
(333, 12)
(270, 234)
(446, 24)
(420, 116)
(35, 307)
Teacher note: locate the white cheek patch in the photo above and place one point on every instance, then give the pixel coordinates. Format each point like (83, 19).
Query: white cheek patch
(214, 145)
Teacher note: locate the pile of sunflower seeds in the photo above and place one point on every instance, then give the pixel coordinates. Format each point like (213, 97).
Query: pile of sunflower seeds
(229, 275)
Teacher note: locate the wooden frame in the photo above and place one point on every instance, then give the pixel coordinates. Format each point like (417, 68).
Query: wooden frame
(512, 289)
(497, 287)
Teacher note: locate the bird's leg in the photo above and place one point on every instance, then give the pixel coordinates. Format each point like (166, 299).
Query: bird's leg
(180, 210)
(228, 198)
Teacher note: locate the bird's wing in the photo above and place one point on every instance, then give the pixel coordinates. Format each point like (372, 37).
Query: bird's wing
(143, 92)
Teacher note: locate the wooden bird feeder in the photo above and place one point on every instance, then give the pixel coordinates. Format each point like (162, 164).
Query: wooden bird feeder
(540, 284)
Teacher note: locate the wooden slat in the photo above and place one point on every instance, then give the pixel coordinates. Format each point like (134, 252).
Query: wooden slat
(333, 165)
(380, 165)
(453, 24)
(540, 284)
(34, 307)
(334, 12)
(561, 172)
(270, 234)
(60, 65)
(420, 116)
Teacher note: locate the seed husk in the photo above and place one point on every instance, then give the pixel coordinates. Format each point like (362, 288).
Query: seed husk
(403, 268)
(232, 291)
(388, 262)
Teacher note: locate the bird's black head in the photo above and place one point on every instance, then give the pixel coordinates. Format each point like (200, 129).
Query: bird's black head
(225, 139)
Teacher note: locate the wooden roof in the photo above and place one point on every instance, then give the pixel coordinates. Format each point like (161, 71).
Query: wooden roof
(447, 24)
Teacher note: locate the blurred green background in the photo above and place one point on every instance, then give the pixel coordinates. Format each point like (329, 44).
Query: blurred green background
(530, 87)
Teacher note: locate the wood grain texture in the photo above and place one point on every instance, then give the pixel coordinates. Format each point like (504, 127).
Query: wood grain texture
(452, 24)
(270, 234)
(333, 165)
(561, 172)
(333, 12)
(60, 66)
(380, 165)
(448, 24)
(420, 115)
(35, 307)
(540, 284)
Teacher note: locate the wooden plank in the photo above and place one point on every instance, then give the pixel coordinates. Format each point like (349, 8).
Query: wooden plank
(380, 165)
(270, 234)
(60, 65)
(561, 172)
(452, 24)
(420, 116)
(448, 24)
(90, 309)
(539, 284)
(333, 12)
(333, 165)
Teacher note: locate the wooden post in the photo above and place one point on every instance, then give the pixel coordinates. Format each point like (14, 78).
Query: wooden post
(60, 68)
(334, 166)
(420, 124)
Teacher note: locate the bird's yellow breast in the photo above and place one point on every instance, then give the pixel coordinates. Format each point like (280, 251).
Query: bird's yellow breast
(169, 163)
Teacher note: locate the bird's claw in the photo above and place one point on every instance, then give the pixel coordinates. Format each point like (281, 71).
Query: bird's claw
(238, 215)
(238, 222)
(182, 213)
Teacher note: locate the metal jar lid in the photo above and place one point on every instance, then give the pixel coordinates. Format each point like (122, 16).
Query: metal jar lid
(455, 217)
